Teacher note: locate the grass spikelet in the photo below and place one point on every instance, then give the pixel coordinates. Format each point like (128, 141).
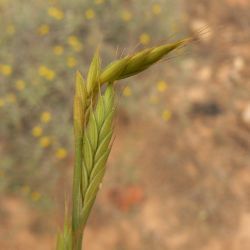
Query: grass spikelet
(113, 71)
(93, 125)
(96, 147)
(78, 117)
(81, 90)
(132, 65)
(79, 105)
(94, 71)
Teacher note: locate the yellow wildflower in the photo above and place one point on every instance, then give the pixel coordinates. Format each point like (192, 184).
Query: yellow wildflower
(45, 117)
(126, 15)
(156, 9)
(145, 39)
(35, 196)
(50, 75)
(45, 141)
(58, 50)
(166, 115)
(43, 30)
(10, 29)
(6, 69)
(20, 85)
(162, 86)
(37, 131)
(127, 91)
(74, 42)
(61, 153)
(90, 14)
(71, 62)
(99, 2)
(56, 13)
(11, 98)
(46, 72)
(2, 103)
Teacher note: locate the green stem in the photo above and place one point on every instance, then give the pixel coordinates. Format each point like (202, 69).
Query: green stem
(77, 230)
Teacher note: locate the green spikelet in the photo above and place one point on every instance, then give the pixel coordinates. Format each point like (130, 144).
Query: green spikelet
(79, 118)
(93, 129)
(148, 57)
(81, 90)
(94, 71)
(96, 148)
(132, 65)
(113, 71)
(79, 105)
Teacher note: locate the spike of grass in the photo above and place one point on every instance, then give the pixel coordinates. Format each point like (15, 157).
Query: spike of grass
(93, 127)
(132, 65)
(96, 143)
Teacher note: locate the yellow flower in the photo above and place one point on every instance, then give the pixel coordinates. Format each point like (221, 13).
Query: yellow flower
(43, 30)
(11, 98)
(58, 50)
(71, 62)
(46, 72)
(126, 15)
(145, 39)
(50, 75)
(35, 196)
(156, 9)
(162, 86)
(6, 69)
(75, 43)
(61, 153)
(45, 141)
(99, 2)
(37, 131)
(20, 85)
(2, 103)
(45, 117)
(56, 13)
(127, 91)
(10, 29)
(72, 40)
(90, 14)
(166, 115)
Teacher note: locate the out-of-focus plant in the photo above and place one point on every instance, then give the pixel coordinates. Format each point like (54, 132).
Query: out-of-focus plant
(34, 94)
(94, 107)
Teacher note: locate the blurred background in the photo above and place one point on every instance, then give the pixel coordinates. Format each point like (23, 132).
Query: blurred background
(179, 174)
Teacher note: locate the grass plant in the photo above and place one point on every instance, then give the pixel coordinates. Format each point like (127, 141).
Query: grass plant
(94, 108)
